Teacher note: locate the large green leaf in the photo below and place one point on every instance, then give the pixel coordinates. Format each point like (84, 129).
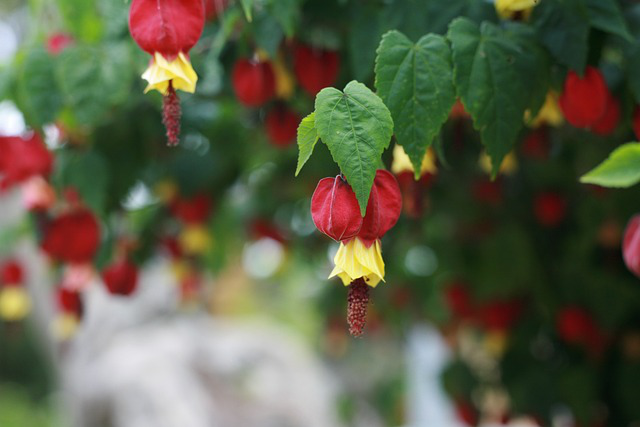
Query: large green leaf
(38, 95)
(563, 26)
(307, 139)
(487, 75)
(607, 16)
(620, 169)
(416, 83)
(357, 127)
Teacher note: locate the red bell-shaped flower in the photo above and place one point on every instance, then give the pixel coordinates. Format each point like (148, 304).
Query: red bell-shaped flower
(549, 208)
(610, 119)
(167, 30)
(282, 126)
(73, 237)
(575, 326)
(11, 273)
(335, 210)
(121, 277)
(194, 210)
(315, 68)
(584, 99)
(21, 158)
(254, 82)
(69, 301)
(631, 245)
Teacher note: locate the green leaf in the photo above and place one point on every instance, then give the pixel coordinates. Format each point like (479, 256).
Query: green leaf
(357, 127)
(620, 169)
(247, 8)
(487, 62)
(307, 139)
(563, 27)
(416, 82)
(38, 94)
(268, 33)
(87, 173)
(606, 15)
(286, 13)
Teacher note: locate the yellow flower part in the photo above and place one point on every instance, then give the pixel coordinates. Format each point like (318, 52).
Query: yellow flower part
(508, 167)
(14, 303)
(179, 71)
(166, 190)
(508, 8)
(402, 163)
(65, 326)
(354, 260)
(550, 113)
(285, 84)
(194, 240)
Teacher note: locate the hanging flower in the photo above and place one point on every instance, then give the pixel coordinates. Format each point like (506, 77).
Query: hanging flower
(70, 311)
(631, 245)
(72, 237)
(192, 210)
(549, 208)
(584, 99)
(282, 126)
(15, 303)
(121, 277)
(23, 158)
(57, 42)
(38, 194)
(576, 326)
(358, 262)
(167, 30)
(254, 82)
(413, 192)
(315, 68)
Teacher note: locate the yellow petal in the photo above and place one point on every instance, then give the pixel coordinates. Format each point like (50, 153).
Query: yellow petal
(285, 84)
(179, 72)
(14, 303)
(194, 240)
(550, 113)
(507, 8)
(354, 260)
(402, 163)
(508, 167)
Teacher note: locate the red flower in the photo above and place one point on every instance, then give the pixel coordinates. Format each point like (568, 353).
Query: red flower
(584, 99)
(549, 208)
(575, 326)
(11, 273)
(73, 237)
(636, 122)
(315, 68)
(254, 82)
(458, 300)
(69, 301)
(500, 315)
(610, 119)
(194, 210)
(57, 42)
(23, 158)
(121, 277)
(631, 245)
(336, 213)
(536, 144)
(282, 126)
(486, 191)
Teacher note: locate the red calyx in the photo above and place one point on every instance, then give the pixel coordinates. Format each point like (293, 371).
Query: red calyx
(536, 144)
(166, 26)
(69, 301)
(549, 208)
(23, 158)
(57, 42)
(336, 213)
(610, 119)
(315, 68)
(194, 210)
(11, 273)
(254, 82)
(500, 315)
(72, 237)
(282, 126)
(584, 100)
(575, 326)
(631, 245)
(636, 123)
(121, 277)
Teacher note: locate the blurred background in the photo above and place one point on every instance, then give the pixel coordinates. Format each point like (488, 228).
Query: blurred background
(193, 287)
